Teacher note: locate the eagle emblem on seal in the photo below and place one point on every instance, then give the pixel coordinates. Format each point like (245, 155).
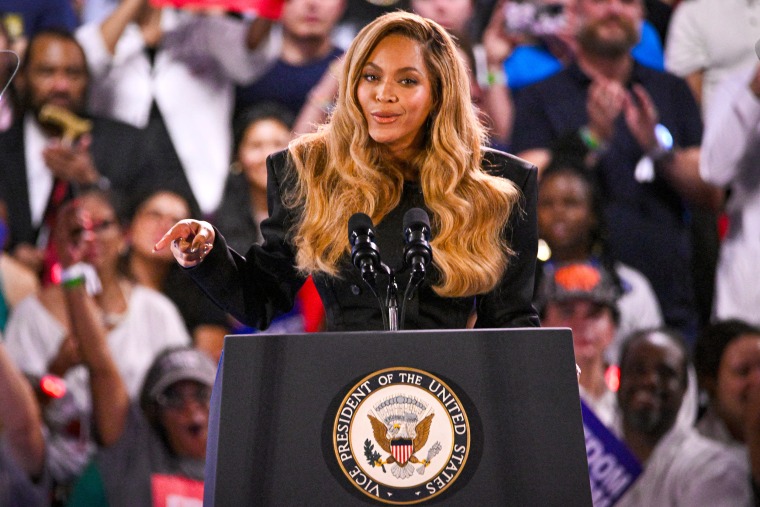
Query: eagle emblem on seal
(401, 428)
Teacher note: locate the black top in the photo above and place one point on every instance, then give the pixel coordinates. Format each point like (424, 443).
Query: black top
(263, 284)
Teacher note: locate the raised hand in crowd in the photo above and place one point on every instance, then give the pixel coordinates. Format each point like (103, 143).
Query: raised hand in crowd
(71, 161)
(74, 238)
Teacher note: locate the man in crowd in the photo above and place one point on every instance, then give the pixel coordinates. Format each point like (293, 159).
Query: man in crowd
(680, 466)
(45, 161)
(640, 130)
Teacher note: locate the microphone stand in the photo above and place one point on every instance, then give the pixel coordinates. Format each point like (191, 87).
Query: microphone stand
(391, 302)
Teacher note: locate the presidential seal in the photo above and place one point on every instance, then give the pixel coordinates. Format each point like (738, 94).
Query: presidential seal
(401, 436)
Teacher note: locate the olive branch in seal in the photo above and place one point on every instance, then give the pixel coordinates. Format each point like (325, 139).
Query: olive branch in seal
(372, 455)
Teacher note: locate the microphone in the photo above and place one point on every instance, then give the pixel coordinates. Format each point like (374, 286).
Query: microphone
(417, 251)
(365, 254)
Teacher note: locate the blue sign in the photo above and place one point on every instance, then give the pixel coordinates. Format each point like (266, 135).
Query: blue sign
(612, 468)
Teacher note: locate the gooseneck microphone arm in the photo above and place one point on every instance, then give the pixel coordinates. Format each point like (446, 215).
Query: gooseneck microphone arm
(365, 255)
(417, 252)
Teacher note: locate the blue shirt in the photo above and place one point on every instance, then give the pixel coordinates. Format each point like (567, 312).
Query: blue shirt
(40, 14)
(529, 64)
(286, 84)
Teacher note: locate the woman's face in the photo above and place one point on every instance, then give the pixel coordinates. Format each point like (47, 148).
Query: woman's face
(565, 216)
(738, 371)
(261, 139)
(156, 216)
(395, 95)
(107, 241)
(184, 416)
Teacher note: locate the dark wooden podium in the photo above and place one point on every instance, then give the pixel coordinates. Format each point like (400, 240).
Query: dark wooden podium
(272, 441)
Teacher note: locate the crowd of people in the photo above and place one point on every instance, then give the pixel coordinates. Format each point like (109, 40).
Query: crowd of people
(134, 135)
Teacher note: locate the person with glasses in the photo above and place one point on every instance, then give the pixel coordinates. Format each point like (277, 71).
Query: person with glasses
(50, 333)
(161, 449)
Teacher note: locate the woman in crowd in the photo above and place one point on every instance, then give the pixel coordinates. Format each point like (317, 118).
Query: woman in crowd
(45, 331)
(259, 131)
(403, 135)
(208, 325)
(160, 451)
(570, 222)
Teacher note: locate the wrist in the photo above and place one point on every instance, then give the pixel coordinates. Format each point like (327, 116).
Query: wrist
(495, 76)
(593, 141)
(99, 182)
(662, 149)
(81, 274)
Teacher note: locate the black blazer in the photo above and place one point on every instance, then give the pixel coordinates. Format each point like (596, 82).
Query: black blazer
(116, 151)
(263, 284)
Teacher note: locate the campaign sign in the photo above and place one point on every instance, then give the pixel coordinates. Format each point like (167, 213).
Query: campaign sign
(612, 468)
(175, 491)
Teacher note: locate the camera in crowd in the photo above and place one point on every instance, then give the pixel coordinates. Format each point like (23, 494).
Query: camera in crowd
(535, 18)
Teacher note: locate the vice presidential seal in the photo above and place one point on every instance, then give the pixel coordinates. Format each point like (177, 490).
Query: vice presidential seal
(401, 436)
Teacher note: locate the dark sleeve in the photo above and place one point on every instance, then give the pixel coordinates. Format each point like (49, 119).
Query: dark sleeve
(532, 128)
(263, 284)
(510, 304)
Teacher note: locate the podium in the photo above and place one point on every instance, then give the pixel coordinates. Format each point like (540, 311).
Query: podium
(455, 417)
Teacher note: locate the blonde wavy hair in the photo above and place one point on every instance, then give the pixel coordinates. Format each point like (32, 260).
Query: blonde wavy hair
(340, 170)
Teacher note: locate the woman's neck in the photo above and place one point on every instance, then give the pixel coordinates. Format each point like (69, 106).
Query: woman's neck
(148, 272)
(571, 253)
(592, 377)
(258, 199)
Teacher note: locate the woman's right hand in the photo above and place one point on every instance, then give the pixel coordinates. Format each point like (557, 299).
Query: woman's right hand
(190, 241)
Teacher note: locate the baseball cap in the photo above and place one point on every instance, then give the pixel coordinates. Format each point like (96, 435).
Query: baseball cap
(174, 365)
(578, 280)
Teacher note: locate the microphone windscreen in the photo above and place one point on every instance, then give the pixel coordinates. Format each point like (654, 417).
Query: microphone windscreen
(416, 216)
(359, 222)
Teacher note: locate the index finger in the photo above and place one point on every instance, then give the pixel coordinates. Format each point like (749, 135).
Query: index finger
(182, 229)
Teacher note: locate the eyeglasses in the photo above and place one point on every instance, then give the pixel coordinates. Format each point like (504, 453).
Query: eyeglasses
(100, 227)
(176, 399)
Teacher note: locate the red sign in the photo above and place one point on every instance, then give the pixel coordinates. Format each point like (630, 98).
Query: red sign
(227, 5)
(175, 491)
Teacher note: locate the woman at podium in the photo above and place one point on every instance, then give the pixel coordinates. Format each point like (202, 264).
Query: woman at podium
(403, 134)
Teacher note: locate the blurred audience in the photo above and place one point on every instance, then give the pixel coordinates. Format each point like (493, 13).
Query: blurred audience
(642, 142)
(727, 359)
(207, 324)
(22, 445)
(25, 18)
(49, 155)
(359, 13)
(16, 280)
(259, 131)
(160, 452)
(172, 72)
(681, 467)
(306, 56)
(45, 332)
(543, 35)
(730, 158)
(709, 40)
(570, 222)
(583, 297)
